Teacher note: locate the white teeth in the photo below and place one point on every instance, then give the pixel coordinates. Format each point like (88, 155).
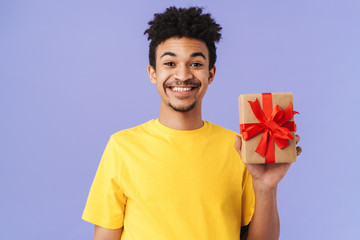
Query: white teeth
(180, 89)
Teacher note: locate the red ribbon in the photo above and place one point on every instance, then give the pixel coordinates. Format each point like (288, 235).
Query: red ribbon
(274, 124)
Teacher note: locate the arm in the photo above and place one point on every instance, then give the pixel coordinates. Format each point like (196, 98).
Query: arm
(265, 223)
(107, 234)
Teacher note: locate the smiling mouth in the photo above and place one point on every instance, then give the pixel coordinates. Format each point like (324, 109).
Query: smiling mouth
(181, 88)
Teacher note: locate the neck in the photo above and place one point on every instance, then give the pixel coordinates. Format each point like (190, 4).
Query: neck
(190, 120)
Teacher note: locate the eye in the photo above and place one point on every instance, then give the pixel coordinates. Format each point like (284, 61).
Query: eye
(170, 64)
(196, 64)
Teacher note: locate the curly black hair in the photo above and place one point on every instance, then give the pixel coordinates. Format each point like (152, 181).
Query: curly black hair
(183, 22)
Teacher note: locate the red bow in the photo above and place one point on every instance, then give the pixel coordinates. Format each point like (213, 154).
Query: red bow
(274, 124)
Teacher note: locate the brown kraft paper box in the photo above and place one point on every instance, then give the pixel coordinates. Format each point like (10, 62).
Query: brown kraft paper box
(248, 154)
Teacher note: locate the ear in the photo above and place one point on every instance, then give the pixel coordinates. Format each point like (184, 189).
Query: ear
(152, 74)
(212, 72)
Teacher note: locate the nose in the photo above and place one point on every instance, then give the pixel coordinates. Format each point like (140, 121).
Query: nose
(183, 73)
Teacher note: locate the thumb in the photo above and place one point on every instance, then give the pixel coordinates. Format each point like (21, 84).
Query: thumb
(238, 144)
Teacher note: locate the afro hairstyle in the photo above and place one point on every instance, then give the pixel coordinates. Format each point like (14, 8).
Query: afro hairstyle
(183, 22)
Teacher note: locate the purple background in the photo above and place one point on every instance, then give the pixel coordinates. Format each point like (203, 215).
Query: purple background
(74, 72)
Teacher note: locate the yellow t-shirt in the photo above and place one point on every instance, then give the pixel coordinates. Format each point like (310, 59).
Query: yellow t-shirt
(160, 183)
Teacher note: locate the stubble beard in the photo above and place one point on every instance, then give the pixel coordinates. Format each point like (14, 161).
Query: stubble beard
(183, 109)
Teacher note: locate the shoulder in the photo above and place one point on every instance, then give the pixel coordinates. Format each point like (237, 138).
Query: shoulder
(221, 131)
(221, 136)
(134, 132)
(125, 141)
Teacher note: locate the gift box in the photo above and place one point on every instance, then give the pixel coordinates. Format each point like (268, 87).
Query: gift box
(267, 128)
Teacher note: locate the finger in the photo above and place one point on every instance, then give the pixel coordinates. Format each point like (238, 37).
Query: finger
(298, 151)
(297, 138)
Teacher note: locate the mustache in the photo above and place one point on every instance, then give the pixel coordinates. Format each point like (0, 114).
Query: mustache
(182, 83)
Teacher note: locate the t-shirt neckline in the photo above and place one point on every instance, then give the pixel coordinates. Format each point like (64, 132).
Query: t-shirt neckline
(166, 129)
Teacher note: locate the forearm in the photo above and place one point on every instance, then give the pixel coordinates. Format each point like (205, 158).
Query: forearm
(265, 223)
(107, 234)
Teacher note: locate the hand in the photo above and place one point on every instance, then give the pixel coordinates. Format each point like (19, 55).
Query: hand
(267, 175)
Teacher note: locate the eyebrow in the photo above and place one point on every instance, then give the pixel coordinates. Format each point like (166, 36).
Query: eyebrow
(168, 54)
(195, 54)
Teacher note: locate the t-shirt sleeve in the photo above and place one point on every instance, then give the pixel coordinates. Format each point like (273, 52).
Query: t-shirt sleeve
(106, 202)
(248, 199)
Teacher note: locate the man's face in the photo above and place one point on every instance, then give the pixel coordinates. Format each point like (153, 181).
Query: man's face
(182, 73)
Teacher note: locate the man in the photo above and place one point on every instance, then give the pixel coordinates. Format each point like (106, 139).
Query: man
(179, 177)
